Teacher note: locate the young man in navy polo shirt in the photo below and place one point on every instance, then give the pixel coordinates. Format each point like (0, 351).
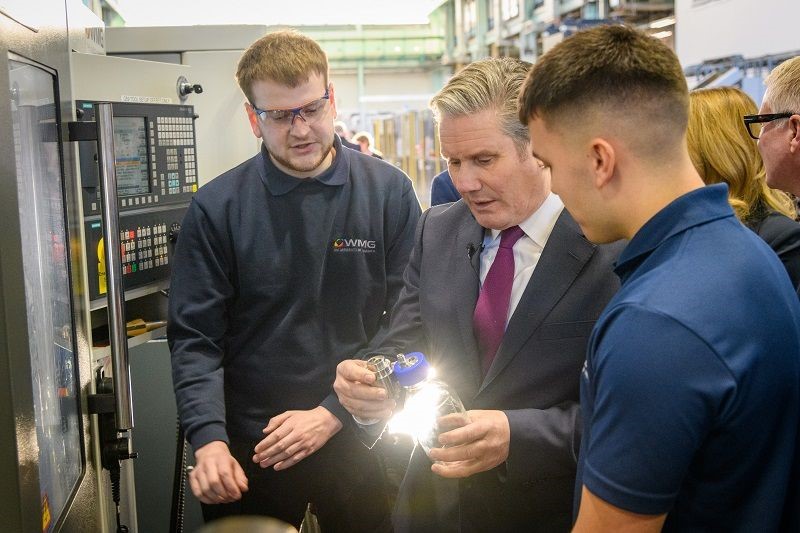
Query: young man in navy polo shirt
(691, 389)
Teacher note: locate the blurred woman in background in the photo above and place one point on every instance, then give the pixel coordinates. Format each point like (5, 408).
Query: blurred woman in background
(723, 152)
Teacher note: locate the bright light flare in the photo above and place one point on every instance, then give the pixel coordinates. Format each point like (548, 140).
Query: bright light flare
(422, 412)
(418, 416)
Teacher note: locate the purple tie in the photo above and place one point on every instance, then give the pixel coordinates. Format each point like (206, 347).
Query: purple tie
(491, 311)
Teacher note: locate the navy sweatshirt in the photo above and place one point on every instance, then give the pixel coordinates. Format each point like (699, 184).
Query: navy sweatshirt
(275, 280)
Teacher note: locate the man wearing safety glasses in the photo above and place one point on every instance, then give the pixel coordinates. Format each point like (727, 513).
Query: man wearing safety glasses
(286, 264)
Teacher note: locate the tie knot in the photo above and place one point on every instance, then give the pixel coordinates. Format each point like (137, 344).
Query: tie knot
(510, 236)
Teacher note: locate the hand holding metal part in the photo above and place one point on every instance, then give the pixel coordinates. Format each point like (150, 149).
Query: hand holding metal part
(480, 445)
(355, 386)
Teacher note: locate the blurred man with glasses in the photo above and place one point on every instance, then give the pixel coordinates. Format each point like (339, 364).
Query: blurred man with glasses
(777, 127)
(286, 264)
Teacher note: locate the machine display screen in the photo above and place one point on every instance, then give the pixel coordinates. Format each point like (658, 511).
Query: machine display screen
(130, 154)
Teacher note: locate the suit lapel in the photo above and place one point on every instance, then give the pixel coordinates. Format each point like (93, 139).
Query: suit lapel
(562, 259)
(466, 286)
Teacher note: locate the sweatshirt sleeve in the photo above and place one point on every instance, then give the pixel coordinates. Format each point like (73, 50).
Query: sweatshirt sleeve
(398, 253)
(200, 290)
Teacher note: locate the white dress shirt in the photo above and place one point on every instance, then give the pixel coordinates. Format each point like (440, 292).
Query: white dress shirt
(527, 250)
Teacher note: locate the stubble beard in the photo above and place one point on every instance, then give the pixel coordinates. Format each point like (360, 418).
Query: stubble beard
(326, 149)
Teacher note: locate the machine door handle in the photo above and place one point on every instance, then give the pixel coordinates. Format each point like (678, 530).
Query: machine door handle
(117, 331)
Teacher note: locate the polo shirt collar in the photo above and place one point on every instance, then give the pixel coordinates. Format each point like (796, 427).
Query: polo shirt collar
(694, 208)
(278, 182)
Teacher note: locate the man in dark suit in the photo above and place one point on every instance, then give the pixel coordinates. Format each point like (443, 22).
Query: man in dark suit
(506, 256)
(442, 189)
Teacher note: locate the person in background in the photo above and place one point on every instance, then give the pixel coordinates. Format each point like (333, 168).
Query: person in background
(500, 294)
(777, 127)
(286, 264)
(723, 152)
(690, 394)
(344, 134)
(442, 189)
(365, 142)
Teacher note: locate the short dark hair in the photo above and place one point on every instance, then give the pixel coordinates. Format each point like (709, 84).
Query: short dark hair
(611, 67)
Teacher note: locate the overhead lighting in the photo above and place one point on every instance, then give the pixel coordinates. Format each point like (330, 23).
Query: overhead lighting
(662, 34)
(662, 23)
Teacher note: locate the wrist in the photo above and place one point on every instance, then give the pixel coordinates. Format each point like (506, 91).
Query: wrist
(332, 422)
(213, 447)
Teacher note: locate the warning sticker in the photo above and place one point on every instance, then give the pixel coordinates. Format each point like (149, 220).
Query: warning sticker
(47, 519)
(101, 267)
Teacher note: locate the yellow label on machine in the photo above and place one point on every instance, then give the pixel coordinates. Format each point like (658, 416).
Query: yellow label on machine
(101, 267)
(46, 517)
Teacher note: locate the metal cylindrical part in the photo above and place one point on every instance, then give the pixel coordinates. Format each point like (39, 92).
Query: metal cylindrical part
(382, 368)
(117, 331)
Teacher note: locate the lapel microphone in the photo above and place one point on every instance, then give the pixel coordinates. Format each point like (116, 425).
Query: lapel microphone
(474, 250)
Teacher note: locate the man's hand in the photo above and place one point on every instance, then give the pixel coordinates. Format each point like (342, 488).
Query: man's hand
(476, 447)
(354, 387)
(217, 477)
(294, 435)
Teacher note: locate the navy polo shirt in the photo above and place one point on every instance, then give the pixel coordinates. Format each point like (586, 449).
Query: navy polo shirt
(691, 389)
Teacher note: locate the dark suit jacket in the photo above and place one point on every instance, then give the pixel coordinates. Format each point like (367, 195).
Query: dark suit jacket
(534, 377)
(442, 189)
(783, 236)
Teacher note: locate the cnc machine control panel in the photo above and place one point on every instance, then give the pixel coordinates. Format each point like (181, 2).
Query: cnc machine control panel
(156, 169)
(156, 159)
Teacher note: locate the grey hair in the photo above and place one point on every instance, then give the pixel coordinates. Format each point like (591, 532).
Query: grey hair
(488, 84)
(783, 87)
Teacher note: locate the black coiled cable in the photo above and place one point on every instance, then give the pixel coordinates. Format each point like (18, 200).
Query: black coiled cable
(178, 484)
(114, 474)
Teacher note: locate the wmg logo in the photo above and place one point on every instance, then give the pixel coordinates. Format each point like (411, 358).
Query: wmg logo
(353, 245)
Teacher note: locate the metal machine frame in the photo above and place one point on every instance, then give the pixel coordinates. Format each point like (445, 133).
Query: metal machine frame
(40, 38)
